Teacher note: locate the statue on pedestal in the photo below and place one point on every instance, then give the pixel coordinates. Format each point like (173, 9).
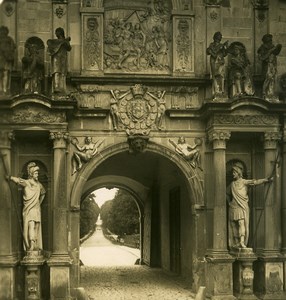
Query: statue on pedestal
(267, 53)
(217, 52)
(33, 196)
(237, 198)
(7, 55)
(58, 49)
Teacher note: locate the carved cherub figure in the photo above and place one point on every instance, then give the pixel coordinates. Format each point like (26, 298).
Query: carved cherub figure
(189, 152)
(85, 152)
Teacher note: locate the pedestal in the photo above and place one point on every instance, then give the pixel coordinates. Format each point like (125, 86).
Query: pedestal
(219, 277)
(243, 274)
(268, 278)
(33, 262)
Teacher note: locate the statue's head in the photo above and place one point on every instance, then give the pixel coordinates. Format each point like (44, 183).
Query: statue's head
(181, 140)
(217, 36)
(238, 169)
(4, 31)
(60, 32)
(267, 38)
(32, 168)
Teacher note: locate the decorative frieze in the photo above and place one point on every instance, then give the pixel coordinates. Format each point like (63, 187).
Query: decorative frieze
(29, 114)
(249, 120)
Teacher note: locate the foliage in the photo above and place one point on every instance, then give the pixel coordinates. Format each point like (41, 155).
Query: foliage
(121, 215)
(89, 212)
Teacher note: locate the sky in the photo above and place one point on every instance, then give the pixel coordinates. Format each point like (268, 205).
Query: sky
(104, 194)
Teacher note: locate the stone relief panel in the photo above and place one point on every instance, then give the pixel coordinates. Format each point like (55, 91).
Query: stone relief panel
(88, 96)
(184, 98)
(138, 39)
(183, 45)
(92, 45)
(274, 278)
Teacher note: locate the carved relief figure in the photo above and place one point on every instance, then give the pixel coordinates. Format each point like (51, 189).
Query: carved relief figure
(139, 42)
(114, 108)
(274, 282)
(267, 53)
(240, 74)
(183, 41)
(58, 49)
(189, 152)
(33, 69)
(92, 43)
(217, 52)
(85, 152)
(237, 198)
(7, 54)
(33, 196)
(161, 108)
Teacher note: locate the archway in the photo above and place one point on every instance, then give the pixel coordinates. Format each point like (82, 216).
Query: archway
(167, 190)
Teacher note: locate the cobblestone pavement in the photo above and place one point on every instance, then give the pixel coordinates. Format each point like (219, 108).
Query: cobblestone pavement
(132, 283)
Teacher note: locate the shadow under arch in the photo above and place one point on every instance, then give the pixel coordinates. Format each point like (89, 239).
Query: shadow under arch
(191, 177)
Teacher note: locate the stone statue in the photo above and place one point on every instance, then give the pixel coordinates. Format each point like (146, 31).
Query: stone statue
(240, 75)
(217, 52)
(190, 153)
(33, 196)
(237, 198)
(85, 152)
(114, 108)
(7, 54)
(33, 69)
(267, 53)
(58, 49)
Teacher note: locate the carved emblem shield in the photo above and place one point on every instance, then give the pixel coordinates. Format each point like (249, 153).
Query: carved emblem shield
(137, 110)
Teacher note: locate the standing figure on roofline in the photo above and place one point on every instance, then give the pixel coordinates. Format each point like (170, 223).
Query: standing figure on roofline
(58, 49)
(238, 213)
(267, 53)
(240, 75)
(217, 52)
(7, 55)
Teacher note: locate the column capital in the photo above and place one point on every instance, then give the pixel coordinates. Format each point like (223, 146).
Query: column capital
(6, 137)
(219, 138)
(271, 138)
(60, 139)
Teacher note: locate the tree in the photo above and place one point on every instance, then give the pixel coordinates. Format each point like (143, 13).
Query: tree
(89, 212)
(121, 215)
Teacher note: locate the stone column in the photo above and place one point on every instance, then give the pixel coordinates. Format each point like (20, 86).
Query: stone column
(60, 261)
(219, 279)
(8, 258)
(283, 205)
(268, 279)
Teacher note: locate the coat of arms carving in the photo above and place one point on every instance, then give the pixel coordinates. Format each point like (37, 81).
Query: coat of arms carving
(137, 110)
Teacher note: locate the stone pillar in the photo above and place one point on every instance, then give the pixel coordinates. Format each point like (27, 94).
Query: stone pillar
(219, 278)
(283, 198)
(60, 261)
(8, 258)
(268, 280)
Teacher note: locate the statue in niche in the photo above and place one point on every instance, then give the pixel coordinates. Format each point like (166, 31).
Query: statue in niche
(237, 198)
(58, 49)
(33, 68)
(33, 196)
(267, 53)
(92, 43)
(189, 152)
(85, 152)
(161, 108)
(7, 55)
(217, 52)
(240, 75)
(183, 44)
